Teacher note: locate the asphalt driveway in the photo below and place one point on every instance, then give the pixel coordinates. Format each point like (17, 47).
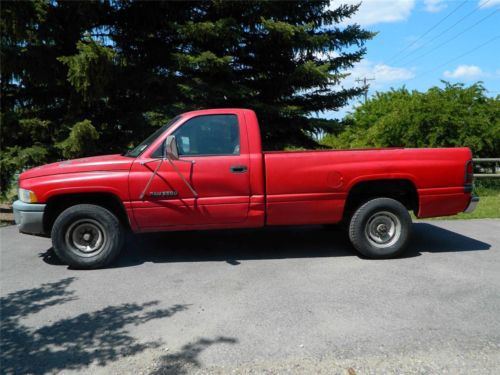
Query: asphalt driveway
(284, 300)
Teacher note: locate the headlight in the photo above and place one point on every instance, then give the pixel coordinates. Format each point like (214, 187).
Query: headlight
(27, 196)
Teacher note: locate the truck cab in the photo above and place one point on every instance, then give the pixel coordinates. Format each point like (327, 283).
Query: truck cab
(215, 179)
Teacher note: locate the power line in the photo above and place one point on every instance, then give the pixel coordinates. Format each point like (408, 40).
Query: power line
(451, 39)
(429, 30)
(446, 30)
(458, 57)
(365, 83)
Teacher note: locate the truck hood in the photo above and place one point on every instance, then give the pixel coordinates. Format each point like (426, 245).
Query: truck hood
(115, 162)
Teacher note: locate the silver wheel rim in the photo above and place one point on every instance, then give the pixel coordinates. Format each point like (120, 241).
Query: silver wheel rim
(86, 237)
(383, 229)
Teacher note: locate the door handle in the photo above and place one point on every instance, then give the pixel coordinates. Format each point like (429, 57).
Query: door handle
(238, 169)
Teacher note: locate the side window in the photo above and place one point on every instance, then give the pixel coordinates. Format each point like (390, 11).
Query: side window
(209, 135)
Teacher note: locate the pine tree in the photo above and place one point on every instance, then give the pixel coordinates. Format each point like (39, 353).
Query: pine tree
(285, 60)
(123, 68)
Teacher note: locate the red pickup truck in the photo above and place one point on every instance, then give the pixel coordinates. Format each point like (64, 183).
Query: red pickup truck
(206, 170)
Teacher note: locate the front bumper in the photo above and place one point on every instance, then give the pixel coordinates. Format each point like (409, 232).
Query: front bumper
(472, 204)
(29, 217)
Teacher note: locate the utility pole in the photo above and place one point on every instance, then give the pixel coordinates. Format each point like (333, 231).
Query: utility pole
(365, 83)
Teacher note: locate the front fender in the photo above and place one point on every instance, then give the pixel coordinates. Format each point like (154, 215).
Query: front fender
(45, 187)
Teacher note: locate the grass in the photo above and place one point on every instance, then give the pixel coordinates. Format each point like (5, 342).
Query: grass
(488, 207)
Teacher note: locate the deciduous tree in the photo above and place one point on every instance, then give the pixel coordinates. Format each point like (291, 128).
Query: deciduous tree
(451, 116)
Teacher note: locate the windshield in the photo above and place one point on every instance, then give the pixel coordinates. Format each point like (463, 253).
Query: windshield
(147, 142)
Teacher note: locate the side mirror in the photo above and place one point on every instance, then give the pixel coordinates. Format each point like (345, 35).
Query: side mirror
(170, 148)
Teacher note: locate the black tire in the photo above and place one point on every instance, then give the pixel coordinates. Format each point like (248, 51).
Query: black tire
(79, 229)
(380, 228)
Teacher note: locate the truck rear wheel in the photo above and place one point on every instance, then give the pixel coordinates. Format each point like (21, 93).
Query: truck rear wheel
(380, 228)
(87, 236)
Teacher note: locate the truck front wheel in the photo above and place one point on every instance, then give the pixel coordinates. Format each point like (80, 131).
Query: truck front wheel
(87, 236)
(380, 228)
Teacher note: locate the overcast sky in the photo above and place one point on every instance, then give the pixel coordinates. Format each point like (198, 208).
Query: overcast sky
(421, 42)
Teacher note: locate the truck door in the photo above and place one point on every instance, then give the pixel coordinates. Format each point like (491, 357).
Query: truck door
(214, 159)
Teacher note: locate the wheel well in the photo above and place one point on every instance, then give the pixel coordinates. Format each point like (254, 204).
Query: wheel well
(58, 203)
(403, 191)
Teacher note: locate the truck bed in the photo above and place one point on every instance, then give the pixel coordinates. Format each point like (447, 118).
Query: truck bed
(312, 186)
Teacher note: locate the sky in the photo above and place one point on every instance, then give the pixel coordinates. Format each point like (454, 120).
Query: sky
(421, 42)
